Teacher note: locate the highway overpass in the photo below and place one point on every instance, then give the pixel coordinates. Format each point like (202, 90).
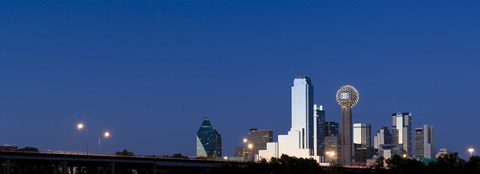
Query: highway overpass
(78, 163)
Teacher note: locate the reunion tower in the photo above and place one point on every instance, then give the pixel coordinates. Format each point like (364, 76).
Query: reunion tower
(347, 97)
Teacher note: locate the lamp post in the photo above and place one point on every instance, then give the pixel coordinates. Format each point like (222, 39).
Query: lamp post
(81, 126)
(247, 150)
(471, 150)
(330, 154)
(106, 135)
(250, 152)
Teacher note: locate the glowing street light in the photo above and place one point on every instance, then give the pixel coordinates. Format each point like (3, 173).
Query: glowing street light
(245, 140)
(330, 154)
(471, 150)
(404, 155)
(250, 146)
(106, 135)
(81, 126)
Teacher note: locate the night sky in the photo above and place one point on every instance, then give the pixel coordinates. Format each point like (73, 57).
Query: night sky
(149, 71)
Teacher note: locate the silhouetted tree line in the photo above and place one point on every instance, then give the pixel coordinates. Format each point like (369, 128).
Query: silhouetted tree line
(28, 149)
(124, 152)
(447, 164)
(283, 165)
(175, 155)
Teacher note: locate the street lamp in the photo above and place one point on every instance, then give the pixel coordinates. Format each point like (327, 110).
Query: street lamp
(106, 135)
(330, 154)
(81, 126)
(250, 146)
(404, 155)
(471, 150)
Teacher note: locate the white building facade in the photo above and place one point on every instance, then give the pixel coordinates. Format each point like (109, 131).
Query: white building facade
(299, 141)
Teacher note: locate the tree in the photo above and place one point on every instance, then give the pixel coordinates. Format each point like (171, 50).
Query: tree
(473, 165)
(397, 164)
(450, 163)
(298, 165)
(28, 149)
(179, 155)
(379, 163)
(394, 163)
(125, 152)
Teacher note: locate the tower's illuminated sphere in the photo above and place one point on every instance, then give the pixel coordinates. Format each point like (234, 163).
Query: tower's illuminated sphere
(347, 96)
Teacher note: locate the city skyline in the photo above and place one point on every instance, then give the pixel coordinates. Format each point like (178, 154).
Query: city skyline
(149, 72)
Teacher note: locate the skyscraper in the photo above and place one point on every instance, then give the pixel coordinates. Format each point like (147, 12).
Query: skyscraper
(402, 130)
(347, 97)
(331, 128)
(319, 126)
(424, 142)
(209, 141)
(302, 111)
(383, 136)
(361, 134)
(362, 143)
(259, 139)
(299, 141)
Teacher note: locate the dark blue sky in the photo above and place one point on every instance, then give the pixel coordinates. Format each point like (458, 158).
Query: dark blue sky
(150, 70)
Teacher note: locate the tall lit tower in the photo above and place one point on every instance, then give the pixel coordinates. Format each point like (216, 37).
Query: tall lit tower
(347, 97)
(402, 130)
(319, 133)
(302, 111)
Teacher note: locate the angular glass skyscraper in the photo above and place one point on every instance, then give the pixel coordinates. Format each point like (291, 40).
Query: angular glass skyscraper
(302, 111)
(209, 141)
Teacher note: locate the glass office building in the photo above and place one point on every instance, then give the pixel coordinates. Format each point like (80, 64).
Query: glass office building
(209, 141)
(402, 130)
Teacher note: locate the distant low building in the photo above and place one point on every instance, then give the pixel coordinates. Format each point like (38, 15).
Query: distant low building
(362, 154)
(442, 152)
(332, 144)
(259, 139)
(8, 148)
(383, 136)
(389, 150)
